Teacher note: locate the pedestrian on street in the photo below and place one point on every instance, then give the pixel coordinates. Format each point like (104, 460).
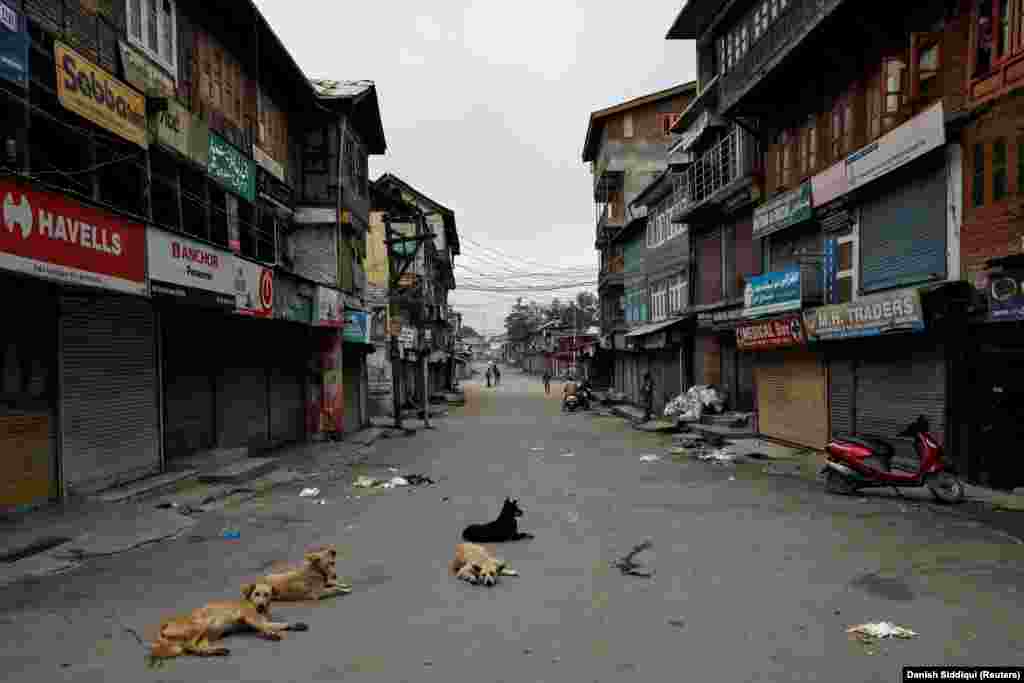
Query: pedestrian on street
(488, 374)
(547, 382)
(647, 392)
(497, 376)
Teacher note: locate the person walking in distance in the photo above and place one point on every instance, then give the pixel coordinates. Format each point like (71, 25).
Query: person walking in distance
(497, 375)
(647, 392)
(547, 382)
(488, 375)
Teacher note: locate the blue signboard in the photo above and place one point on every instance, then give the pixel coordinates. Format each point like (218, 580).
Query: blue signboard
(357, 327)
(829, 272)
(772, 292)
(13, 45)
(1006, 295)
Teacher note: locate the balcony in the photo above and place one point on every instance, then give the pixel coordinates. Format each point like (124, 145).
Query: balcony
(710, 180)
(768, 52)
(612, 274)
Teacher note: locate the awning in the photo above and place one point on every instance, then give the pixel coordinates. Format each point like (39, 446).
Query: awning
(657, 327)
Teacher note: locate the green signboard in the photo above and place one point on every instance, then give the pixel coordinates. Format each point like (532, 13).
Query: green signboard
(231, 169)
(785, 210)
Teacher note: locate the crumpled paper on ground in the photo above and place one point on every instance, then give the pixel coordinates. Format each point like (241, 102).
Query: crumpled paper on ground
(649, 458)
(719, 455)
(881, 629)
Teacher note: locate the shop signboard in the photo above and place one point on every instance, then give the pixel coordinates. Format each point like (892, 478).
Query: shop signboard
(895, 311)
(771, 334)
(772, 293)
(51, 236)
(190, 271)
(254, 289)
(1005, 293)
(785, 210)
(720, 320)
(91, 92)
(330, 310)
(915, 138)
(357, 327)
(13, 44)
(231, 169)
(831, 269)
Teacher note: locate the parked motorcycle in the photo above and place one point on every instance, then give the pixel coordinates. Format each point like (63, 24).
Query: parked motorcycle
(866, 462)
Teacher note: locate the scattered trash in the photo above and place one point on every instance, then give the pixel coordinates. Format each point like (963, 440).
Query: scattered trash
(364, 482)
(678, 451)
(732, 478)
(419, 480)
(309, 493)
(527, 651)
(650, 457)
(166, 506)
(699, 399)
(399, 481)
(573, 517)
(720, 455)
(392, 469)
(231, 534)
(678, 623)
(568, 455)
(321, 502)
(445, 499)
(882, 629)
(536, 449)
(628, 567)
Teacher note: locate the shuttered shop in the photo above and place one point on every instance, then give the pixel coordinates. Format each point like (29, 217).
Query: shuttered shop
(190, 369)
(109, 391)
(903, 227)
(707, 360)
(791, 397)
(709, 256)
(287, 385)
(242, 407)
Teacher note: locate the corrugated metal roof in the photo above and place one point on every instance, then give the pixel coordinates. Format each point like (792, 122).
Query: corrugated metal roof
(339, 89)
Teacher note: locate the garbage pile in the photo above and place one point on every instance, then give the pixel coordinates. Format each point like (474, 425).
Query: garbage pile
(707, 447)
(364, 482)
(697, 400)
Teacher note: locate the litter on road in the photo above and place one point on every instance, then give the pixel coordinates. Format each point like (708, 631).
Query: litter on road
(650, 457)
(309, 493)
(720, 455)
(364, 482)
(568, 455)
(628, 567)
(881, 629)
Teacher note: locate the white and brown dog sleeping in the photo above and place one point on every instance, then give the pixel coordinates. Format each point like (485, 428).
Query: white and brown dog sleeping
(475, 564)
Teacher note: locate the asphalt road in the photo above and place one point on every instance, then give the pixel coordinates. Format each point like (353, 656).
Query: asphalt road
(757, 577)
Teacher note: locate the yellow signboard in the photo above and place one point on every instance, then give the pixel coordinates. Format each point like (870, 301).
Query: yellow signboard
(89, 91)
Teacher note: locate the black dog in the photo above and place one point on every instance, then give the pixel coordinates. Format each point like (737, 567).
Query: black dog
(504, 528)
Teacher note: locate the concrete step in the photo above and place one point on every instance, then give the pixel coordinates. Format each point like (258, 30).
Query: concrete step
(250, 468)
(145, 487)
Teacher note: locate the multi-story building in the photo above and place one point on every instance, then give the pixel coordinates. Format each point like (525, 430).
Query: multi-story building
(625, 146)
(418, 306)
(174, 189)
(857, 229)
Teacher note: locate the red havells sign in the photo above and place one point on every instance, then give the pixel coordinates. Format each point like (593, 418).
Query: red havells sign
(52, 236)
(771, 334)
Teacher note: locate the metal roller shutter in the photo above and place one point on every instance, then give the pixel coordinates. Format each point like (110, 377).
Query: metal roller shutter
(351, 372)
(672, 379)
(791, 402)
(707, 361)
(189, 396)
(709, 256)
(108, 391)
(242, 410)
(287, 406)
(841, 396)
(903, 232)
(897, 385)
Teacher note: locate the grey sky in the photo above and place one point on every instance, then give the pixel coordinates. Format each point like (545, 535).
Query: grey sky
(485, 108)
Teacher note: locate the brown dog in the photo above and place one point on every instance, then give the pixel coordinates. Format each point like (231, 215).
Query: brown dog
(317, 578)
(474, 564)
(194, 633)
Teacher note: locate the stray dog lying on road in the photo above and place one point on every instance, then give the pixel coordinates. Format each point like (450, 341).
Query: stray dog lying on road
(194, 633)
(474, 564)
(317, 578)
(504, 528)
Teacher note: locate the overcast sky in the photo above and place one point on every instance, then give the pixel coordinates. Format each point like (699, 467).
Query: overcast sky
(485, 108)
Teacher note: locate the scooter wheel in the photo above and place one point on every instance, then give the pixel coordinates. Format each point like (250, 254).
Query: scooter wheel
(946, 488)
(838, 483)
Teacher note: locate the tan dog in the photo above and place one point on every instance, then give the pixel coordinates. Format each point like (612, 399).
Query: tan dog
(475, 564)
(314, 580)
(194, 633)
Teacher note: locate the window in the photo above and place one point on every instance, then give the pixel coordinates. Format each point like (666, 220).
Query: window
(627, 126)
(925, 64)
(846, 269)
(666, 123)
(978, 178)
(873, 105)
(894, 91)
(837, 129)
(1000, 183)
(151, 26)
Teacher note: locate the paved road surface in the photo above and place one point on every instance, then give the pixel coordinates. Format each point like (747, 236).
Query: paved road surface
(757, 576)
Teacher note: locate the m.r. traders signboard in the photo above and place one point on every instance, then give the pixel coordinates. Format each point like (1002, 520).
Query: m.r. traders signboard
(785, 210)
(231, 168)
(772, 293)
(895, 311)
(190, 271)
(771, 334)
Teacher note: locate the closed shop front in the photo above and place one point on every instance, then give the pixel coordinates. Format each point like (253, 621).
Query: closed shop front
(109, 390)
(286, 385)
(189, 380)
(792, 402)
(28, 396)
(707, 364)
(880, 382)
(243, 417)
(903, 226)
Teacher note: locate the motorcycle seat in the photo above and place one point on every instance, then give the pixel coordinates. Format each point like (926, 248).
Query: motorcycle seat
(881, 448)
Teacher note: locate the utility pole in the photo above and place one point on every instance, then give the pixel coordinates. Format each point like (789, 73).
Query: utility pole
(421, 229)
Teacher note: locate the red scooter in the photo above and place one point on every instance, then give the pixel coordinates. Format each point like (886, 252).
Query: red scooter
(866, 462)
